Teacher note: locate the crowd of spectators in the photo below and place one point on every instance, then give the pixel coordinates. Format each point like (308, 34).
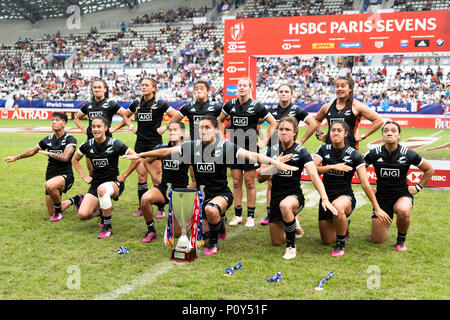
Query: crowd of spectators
(171, 15)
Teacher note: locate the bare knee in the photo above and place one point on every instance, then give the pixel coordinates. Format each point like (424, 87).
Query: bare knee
(83, 215)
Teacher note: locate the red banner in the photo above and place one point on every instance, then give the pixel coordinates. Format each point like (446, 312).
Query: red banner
(26, 114)
(376, 33)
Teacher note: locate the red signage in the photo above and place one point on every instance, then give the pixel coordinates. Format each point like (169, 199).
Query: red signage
(371, 33)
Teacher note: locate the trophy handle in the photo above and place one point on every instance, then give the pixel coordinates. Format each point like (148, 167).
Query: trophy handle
(202, 190)
(169, 186)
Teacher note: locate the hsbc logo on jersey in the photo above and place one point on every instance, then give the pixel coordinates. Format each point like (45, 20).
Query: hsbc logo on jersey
(100, 163)
(208, 167)
(94, 114)
(144, 117)
(171, 164)
(390, 173)
(237, 31)
(240, 121)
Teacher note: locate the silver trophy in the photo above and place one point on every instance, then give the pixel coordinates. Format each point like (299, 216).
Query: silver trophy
(183, 209)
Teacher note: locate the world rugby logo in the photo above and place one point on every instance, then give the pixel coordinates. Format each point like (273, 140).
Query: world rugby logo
(237, 31)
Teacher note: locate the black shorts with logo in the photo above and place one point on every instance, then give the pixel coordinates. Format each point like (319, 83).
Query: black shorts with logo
(275, 212)
(227, 195)
(141, 147)
(328, 215)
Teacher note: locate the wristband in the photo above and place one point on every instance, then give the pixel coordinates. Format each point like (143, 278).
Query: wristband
(131, 126)
(362, 136)
(319, 133)
(418, 187)
(18, 157)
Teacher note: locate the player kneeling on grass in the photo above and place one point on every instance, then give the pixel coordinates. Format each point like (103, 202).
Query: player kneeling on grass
(210, 157)
(59, 176)
(286, 195)
(106, 183)
(391, 162)
(173, 172)
(338, 163)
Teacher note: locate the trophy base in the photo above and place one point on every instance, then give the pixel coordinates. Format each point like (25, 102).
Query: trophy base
(184, 256)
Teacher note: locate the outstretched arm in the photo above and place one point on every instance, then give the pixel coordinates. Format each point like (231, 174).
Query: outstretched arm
(29, 153)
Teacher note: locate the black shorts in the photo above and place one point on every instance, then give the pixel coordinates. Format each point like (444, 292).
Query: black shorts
(275, 212)
(68, 182)
(141, 147)
(328, 215)
(227, 195)
(387, 204)
(93, 189)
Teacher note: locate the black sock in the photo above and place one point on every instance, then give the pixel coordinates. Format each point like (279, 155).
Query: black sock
(75, 199)
(238, 211)
(151, 226)
(57, 207)
(268, 211)
(214, 230)
(161, 207)
(340, 241)
(251, 212)
(401, 237)
(289, 229)
(142, 188)
(107, 222)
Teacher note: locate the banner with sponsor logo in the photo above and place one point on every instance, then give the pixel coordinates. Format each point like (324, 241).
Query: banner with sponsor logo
(371, 33)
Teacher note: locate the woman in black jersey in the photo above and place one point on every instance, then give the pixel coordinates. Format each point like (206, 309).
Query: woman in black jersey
(349, 110)
(59, 147)
(173, 172)
(210, 158)
(338, 163)
(105, 183)
(245, 114)
(286, 195)
(391, 162)
(100, 104)
(149, 114)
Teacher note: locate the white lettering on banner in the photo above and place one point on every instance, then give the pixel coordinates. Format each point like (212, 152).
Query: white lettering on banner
(440, 124)
(364, 26)
(30, 115)
(439, 178)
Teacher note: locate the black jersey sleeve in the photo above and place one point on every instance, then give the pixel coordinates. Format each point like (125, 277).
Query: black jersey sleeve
(43, 144)
(164, 105)
(305, 156)
(369, 157)
(114, 106)
(120, 147)
(84, 148)
(227, 107)
(133, 106)
(301, 114)
(83, 108)
(414, 158)
(184, 109)
(358, 160)
(217, 109)
(71, 141)
(321, 152)
(261, 111)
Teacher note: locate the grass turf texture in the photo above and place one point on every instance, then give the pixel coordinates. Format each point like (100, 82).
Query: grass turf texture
(37, 255)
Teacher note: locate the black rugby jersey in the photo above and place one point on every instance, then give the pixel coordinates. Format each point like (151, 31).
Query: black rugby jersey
(209, 163)
(335, 181)
(288, 182)
(392, 168)
(174, 171)
(349, 118)
(292, 110)
(52, 144)
(195, 111)
(106, 108)
(149, 115)
(104, 158)
(245, 117)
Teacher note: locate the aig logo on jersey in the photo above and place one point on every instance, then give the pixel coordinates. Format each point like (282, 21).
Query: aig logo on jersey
(240, 121)
(145, 117)
(338, 173)
(55, 151)
(390, 173)
(287, 173)
(171, 164)
(94, 114)
(100, 163)
(208, 167)
(197, 119)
